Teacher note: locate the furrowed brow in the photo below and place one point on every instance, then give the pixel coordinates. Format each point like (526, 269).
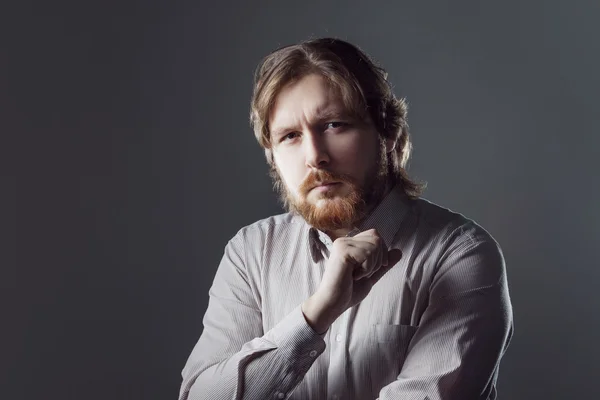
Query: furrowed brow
(331, 113)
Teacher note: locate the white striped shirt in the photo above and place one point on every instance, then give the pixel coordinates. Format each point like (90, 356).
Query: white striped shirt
(434, 327)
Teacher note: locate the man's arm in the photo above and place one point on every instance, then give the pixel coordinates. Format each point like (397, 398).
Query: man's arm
(465, 329)
(233, 358)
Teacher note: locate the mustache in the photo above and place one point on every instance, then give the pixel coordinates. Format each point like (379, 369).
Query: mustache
(319, 177)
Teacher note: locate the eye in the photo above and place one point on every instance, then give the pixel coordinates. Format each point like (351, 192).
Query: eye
(289, 136)
(335, 125)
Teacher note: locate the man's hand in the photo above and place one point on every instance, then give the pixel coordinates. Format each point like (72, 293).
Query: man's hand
(354, 266)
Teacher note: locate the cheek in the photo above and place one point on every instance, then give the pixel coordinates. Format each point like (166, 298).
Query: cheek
(357, 156)
(290, 171)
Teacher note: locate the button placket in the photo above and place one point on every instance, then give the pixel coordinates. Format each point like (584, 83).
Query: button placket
(337, 357)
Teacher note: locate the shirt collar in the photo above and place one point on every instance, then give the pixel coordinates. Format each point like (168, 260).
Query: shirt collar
(385, 218)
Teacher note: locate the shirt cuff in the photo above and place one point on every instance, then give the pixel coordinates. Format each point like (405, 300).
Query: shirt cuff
(295, 338)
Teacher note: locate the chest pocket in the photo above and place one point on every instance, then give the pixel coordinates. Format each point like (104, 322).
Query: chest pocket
(389, 344)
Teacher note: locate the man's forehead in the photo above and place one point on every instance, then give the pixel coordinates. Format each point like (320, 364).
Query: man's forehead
(311, 107)
(330, 109)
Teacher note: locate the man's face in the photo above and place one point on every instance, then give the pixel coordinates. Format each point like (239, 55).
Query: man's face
(332, 164)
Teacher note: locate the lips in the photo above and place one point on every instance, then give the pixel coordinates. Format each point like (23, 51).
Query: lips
(324, 184)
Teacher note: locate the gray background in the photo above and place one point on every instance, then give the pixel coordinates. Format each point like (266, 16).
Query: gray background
(137, 165)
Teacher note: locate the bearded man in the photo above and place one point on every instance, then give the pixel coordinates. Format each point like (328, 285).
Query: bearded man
(363, 289)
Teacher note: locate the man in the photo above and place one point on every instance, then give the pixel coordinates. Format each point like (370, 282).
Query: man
(363, 289)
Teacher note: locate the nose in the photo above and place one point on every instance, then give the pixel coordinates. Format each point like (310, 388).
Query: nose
(315, 148)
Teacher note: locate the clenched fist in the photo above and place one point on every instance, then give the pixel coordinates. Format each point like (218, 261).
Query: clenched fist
(354, 266)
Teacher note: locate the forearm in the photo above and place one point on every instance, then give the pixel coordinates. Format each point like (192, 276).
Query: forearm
(318, 315)
(264, 367)
(456, 351)
(254, 376)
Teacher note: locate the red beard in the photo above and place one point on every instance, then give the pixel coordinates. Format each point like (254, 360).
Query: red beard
(338, 211)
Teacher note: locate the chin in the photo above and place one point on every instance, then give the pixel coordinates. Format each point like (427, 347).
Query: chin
(325, 198)
(323, 202)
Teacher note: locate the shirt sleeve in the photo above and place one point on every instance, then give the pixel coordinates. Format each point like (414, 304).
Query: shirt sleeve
(465, 329)
(234, 358)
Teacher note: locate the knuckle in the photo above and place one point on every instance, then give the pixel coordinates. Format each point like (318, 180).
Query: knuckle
(347, 259)
(374, 250)
(339, 244)
(378, 241)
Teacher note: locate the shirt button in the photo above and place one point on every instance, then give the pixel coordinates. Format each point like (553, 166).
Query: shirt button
(338, 338)
(313, 353)
(280, 395)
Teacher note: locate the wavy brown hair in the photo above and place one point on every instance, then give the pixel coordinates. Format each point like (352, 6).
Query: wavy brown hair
(362, 84)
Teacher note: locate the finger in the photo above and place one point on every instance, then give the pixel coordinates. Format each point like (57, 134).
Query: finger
(382, 251)
(357, 256)
(371, 236)
(369, 258)
(382, 259)
(364, 286)
(393, 257)
(372, 262)
(363, 250)
(366, 240)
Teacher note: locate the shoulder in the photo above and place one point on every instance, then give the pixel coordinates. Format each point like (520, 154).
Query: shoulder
(275, 224)
(264, 242)
(266, 234)
(460, 244)
(467, 256)
(450, 226)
